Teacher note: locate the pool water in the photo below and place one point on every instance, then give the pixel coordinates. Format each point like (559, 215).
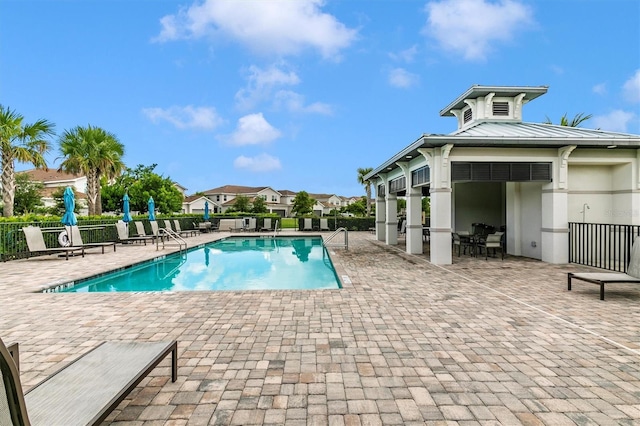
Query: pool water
(227, 264)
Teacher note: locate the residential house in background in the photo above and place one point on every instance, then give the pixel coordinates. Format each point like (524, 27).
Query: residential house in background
(54, 180)
(194, 204)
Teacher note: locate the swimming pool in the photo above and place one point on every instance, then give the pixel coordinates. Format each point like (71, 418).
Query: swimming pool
(300, 263)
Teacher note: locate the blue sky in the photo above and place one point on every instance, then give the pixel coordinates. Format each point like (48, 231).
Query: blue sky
(298, 94)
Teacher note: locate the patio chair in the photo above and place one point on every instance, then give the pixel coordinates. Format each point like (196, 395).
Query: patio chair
(186, 232)
(266, 224)
(602, 278)
(463, 242)
(36, 244)
(492, 241)
(155, 230)
(76, 239)
(123, 235)
(324, 225)
(308, 225)
(251, 225)
(85, 391)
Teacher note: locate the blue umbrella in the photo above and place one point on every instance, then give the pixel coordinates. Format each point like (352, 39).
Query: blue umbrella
(206, 210)
(69, 217)
(151, 205)
(126, 218)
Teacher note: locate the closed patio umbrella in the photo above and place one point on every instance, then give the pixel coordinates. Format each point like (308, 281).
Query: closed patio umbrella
(126, 217)
(152, 206)
(206, 210)
(69, 217)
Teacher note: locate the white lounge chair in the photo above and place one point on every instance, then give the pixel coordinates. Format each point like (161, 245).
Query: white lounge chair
(36, 244)
(86, 390)
(123, 235)
(602, 278)
(266, 224)
(324, 225)
(141, 231)
(307, 225)
(186, 232)
(76, 239)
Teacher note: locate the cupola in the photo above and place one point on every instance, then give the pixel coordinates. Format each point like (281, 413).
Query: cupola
(491, 103)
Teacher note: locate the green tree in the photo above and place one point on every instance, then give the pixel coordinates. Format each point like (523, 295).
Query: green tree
(95, 153)
(27, 195)
(141, 183)
(358, 208)
(574, 122)
(21, 142)
(401, 204)
(259, 206)
(426, 206)
(302, 204)
(241, 203)
(362, 172)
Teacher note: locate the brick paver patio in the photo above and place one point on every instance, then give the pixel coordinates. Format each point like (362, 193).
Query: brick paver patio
(407, 342)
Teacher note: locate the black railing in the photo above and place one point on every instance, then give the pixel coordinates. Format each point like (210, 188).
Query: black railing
(603, 245)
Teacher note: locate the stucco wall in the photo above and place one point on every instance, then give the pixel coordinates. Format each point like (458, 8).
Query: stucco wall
(478, 202)
(531, 219)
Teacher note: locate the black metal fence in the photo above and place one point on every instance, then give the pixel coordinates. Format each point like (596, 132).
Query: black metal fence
(13, 244)
(602, 245)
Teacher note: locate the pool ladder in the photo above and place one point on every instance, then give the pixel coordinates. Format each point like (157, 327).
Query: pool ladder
(170, 233)
(339, 231)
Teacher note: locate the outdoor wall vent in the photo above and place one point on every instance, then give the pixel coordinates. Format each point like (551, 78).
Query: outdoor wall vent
(468, 115)
(501, 108)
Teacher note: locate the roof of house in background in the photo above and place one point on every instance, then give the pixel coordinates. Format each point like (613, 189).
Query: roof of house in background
(49, 175)
(235, 189)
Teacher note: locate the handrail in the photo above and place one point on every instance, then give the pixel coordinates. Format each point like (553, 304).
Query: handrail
(335, 234)
(173, 235)
(183, 259)
(275, 229)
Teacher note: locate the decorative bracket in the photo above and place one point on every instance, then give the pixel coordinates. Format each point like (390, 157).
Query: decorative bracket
(563, 156)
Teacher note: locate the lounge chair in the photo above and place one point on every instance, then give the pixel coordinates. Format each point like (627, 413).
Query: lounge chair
(76, 239)
(123, 235)
(141, 231)
(36, 244)
(324, 225)
(155, 229)
(186, 232)
(86, 390)
(251, 224)
(602, 278)
(266, 224)
(307, 225)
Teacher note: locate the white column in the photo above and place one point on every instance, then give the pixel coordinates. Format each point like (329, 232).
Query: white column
(391, 236)
(555, 225)
(414, 213)
(514, 211)
(381, 216)
(440, 194)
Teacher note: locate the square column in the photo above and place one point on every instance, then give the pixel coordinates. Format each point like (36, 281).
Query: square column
(440, 229)
(391, 228)
(381, 216)
(414, 221)
(555, 226)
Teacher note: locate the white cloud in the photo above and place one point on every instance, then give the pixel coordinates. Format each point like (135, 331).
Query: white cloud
(261, 83)
(253, 129)
(294, 102)
(187, 117)
(282, 27)
(259, 163)
(472, 27)
(631, 88)
(407, 55)
(399, 77)
(616, 121)
(600, 89)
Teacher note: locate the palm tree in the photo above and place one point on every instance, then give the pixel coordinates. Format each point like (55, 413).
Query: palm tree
(95, 153)
(22, 142)
(575, 121)
(362, 172)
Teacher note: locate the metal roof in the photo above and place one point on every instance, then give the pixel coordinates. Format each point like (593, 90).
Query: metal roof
(513, 135)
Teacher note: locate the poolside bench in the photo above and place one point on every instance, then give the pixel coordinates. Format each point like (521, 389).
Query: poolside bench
(87, 390)
(602, 278)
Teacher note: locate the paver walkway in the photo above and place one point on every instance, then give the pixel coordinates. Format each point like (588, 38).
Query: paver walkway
(408, 342)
